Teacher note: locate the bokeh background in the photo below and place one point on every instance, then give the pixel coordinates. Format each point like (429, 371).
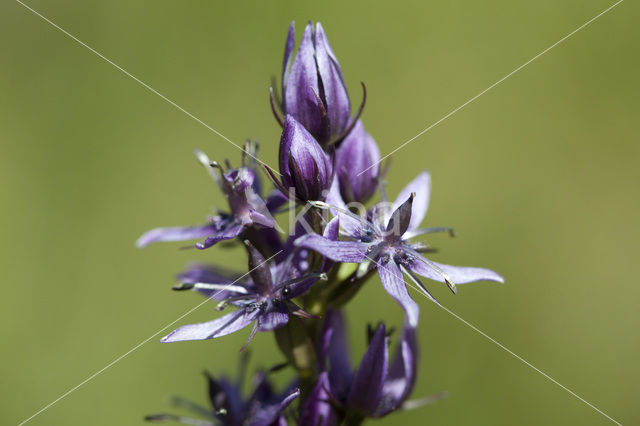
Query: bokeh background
(539, 176)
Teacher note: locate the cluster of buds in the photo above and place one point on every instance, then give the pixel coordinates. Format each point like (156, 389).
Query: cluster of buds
(296, 286)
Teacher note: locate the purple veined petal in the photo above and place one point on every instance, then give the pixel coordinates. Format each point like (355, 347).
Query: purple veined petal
(339, 251)
(261, 219)
(316, 410)
(175, 234)
(334, 89)
(457, 274)
(402, 373)
(288, 50)
(421, 185)
(218, 327)
(393, 282)
(299, 98)
(366, 388)
(228, 233)
(271, 320)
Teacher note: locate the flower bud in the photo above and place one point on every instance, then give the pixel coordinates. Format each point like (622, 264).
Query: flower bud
(313, 89)
(304, 166)
(357, 165)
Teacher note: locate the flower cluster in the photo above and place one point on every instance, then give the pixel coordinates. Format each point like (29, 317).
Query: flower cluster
(296, 286)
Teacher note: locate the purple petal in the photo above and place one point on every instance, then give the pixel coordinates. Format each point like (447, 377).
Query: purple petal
(357, 165)
(349, 224)
(271, 320)
(393, 283)
(299, 98)
(402, 373)
(421, 185)
(457, 274)
(175, 234)
(335, 91)
(335, 350)
(259, 270)
(400, 219)
(199, 273)
(339, 251)
(316, 410)
(366, 388)
(228, 233)
(222, 326)
(303, 164)
(288, 50)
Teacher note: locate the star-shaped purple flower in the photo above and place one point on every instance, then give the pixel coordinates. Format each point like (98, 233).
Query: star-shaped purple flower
(240, 187)
(383, 241)
(264, 300)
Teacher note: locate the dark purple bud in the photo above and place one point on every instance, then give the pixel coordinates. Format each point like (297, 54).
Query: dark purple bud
(313, 88)
(357, 165)
(304, 166)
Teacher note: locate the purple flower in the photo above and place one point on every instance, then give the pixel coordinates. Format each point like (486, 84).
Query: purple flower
(265, 300)
(313, 89)
(304, 166)
(357, 152)
(374, 389)
(246, 209)
(230, 407)
(382, 241)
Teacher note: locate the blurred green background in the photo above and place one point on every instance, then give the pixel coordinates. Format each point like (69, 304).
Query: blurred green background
(539, 176)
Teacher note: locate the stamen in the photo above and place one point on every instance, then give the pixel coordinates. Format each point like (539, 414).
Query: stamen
(431, 230)
(417, 281)
(446, 278)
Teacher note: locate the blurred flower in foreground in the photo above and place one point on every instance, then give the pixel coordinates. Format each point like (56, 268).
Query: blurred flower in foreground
(229, 407)
(374, 389)
(240, 187)
(382, 242)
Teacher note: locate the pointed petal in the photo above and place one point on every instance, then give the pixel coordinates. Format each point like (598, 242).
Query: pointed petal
(400, 219)
(259, 270)
(339, 251)
(177, 233)
(457, 274)
(421, 185)
(316, 410)
(366, 388)
(228, 233)
(288, 50)
(299, 98)
(335, 91)
(335, 351)
(393, 283)
(402, 373)
(222, 326)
